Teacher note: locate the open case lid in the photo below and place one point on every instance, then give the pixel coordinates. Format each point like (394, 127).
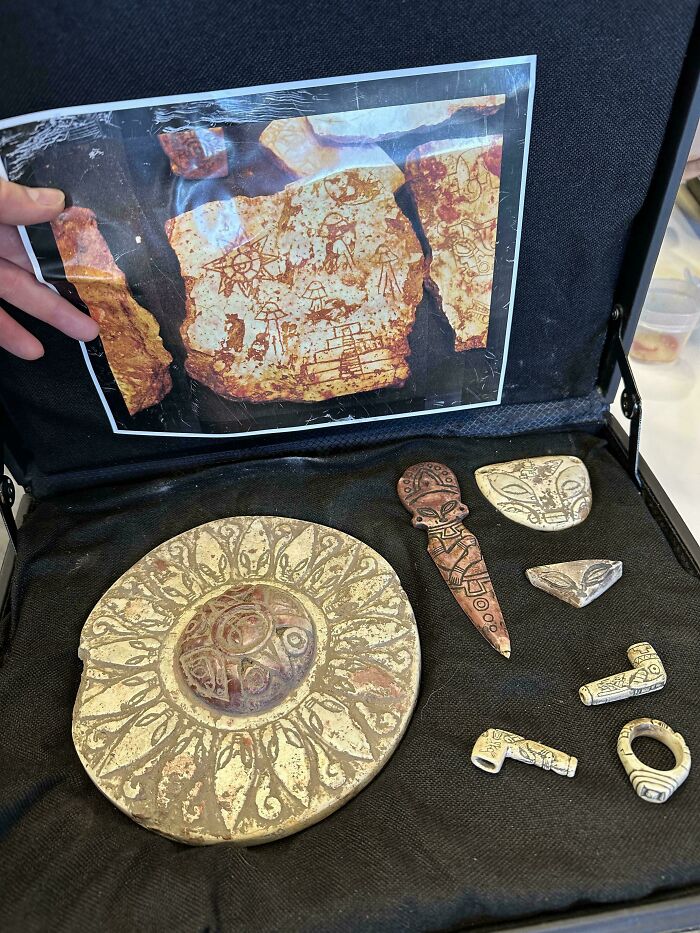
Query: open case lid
(603, 124)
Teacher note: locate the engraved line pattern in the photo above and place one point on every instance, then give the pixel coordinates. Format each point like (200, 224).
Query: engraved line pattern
(547, 493)
(651, 784)
(179, 775)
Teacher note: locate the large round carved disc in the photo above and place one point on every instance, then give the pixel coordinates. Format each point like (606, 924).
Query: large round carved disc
(245, 679)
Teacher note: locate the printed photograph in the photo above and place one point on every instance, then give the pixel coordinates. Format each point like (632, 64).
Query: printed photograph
(289, 257)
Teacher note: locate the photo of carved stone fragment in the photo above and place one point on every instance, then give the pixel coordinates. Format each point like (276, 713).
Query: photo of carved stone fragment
(293, 257)
(303, 295)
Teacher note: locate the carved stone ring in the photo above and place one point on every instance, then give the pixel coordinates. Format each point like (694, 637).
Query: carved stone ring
(651, 784)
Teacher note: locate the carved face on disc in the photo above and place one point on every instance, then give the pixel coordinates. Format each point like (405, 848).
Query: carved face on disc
(246, 649)
(431, 493)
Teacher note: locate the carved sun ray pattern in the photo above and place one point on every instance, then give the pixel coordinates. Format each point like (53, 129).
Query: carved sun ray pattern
(248, 781)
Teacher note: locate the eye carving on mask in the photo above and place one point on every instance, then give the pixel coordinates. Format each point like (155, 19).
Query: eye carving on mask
(546, 493)
(512, 488)
(570, 483)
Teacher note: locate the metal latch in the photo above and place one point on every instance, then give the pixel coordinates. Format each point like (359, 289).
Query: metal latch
(630, 400)
(7, 500)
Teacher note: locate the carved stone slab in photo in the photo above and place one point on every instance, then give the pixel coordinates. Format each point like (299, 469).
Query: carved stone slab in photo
(245, 679)
(577, 582)
(545, 493)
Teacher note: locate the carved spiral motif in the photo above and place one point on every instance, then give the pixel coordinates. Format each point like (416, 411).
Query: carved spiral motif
(245, 650)
(245, 678)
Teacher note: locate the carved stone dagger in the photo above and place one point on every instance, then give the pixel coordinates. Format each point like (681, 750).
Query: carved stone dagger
(431, 493)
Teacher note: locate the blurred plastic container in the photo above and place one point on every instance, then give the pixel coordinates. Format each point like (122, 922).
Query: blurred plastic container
(670, 313)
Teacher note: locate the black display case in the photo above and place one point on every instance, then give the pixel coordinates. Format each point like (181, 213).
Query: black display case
(431, 844)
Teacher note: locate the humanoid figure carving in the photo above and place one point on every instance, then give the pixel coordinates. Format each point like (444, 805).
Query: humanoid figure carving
(431, 493)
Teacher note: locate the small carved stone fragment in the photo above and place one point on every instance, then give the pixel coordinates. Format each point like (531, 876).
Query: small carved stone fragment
(649, 783)
(647, 675)
(493, 747)
(546, 493)
(577, 582)
(196, 153)
(431, 493)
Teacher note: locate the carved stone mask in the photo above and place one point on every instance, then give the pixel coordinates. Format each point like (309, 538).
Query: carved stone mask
(546, 493)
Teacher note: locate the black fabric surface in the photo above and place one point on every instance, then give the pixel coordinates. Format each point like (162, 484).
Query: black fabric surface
(606, 76)
(432, 843)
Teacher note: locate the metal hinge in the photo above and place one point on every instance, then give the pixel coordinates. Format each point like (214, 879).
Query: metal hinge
(7, 499)
(630, 400)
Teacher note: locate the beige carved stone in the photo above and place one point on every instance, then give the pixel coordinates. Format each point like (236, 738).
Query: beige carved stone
(456, 186)
(378, 123)
(577, 582)
(245, 679)
(545, 493)
(130, 334)
(196, 153)
(304, 295)
(647, 675)
(651, 784)
(493, 747)
(294, 144)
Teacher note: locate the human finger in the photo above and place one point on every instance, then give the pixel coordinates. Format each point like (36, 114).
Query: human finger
(20, 204)
(12, 248)
(22, 290)
(18, 341)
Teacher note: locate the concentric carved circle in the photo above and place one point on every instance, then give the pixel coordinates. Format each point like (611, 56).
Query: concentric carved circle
(244, 679)
(245, 650)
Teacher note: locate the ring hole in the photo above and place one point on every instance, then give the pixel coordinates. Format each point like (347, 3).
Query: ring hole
(486, 764)
(654, 753)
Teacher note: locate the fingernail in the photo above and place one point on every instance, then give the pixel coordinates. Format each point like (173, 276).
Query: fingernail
(47, 197)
